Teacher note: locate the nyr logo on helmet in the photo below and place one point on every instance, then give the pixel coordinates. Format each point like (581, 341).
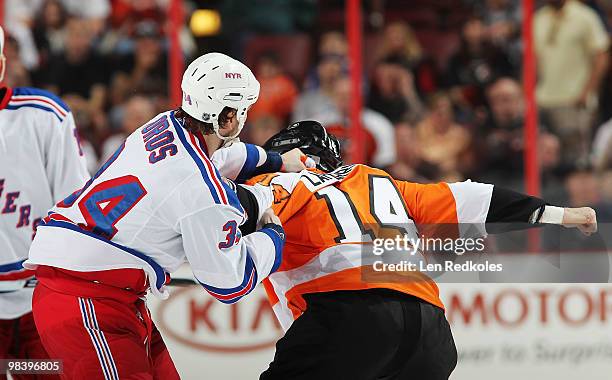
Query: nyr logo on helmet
(233, 76)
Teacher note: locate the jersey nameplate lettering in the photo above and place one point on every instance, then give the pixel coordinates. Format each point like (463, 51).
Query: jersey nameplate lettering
(316, 181)
(158, 140)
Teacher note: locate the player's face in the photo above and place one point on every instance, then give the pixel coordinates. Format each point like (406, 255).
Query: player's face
(230, 126)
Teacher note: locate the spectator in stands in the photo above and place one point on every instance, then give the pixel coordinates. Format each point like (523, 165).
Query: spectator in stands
(278, 93)
(333, 42)
(126, 17)
(552, 171)
(408, 153)
(410, 165)
(333, 111)
(393, 92)
(95, 12)
(379, 143)
(477, 63)
(135, 113)
(502, 133)
(572, 50)
(442, 140)
(263, 128)
(144, 71)
(317, 103)
(399, 44)
(399, 41)
(503, 21)
(20, 16)
(502, 18)
(332, 46)
(49, 32)
(502, 146)
(79, 70)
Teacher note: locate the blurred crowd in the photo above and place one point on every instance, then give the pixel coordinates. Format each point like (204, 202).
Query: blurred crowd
(442, 81)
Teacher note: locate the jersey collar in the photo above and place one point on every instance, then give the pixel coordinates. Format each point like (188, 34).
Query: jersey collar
(5, 95)
(201, 142)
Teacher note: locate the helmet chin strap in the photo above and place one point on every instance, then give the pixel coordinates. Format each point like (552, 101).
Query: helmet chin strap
(228, 140)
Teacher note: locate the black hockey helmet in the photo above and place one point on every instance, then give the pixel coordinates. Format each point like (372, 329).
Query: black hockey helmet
(312, 139)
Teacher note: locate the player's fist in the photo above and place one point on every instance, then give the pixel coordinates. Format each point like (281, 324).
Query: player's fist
(295, 161)
(269, 217)
(583, 218)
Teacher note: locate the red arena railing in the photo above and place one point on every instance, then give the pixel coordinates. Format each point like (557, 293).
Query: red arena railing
(176, 59)
(530, 129)
(355, 41)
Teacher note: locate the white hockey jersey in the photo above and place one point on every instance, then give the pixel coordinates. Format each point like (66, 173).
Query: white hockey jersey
(157, 202)
(40, 163)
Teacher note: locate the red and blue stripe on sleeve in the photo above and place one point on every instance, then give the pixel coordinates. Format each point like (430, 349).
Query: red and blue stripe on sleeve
(273, 163)
(249, 281)
(232, 295)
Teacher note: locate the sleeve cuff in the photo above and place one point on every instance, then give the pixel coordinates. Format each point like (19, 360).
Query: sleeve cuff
(552, 215)
(277, 234)
(273, 163)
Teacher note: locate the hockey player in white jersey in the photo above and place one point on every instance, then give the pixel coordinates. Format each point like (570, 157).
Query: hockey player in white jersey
(156, 203)
(40, 163)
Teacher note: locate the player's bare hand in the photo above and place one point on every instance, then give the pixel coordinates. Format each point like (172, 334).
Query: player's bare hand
(269, 217)
(583, 218)
(295, 161)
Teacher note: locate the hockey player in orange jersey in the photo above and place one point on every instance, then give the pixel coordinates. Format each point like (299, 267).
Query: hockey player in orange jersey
(340, 323)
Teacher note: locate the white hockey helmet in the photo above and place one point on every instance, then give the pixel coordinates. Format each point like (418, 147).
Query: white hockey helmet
(215, 81)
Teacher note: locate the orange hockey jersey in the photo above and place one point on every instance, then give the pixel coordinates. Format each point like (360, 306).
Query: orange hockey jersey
(328, 218)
